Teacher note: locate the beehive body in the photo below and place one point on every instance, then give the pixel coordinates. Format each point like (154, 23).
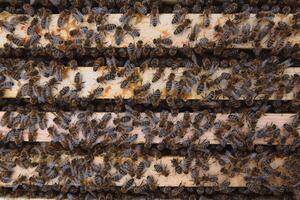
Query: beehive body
(104, 104)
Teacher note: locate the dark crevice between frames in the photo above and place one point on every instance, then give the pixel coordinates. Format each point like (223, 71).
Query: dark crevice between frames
(112, 105)
(199, 192)
(87, 56)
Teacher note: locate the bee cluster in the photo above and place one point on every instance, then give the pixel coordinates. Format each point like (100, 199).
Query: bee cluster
(128, 118)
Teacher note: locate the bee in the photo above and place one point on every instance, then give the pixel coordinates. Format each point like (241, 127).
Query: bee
(177, 191)
(45, 19)
(169, 82)
(131, 51)
(154, 16)
(152, 184)
(32, 28)
(34, 39)
(77, 15)
(7, 119)
(98, 63)
(200, 88)
(63, 18)
(73, 64)
(172, 52)
(64, 91)
(140, 169)
(142, 89)
(194, 33)
(162, 169)
(58, 70)
(127, 186)
(206, 18)
(126, 17)
(295, 120)
(140, 8)
(17, 41)
(286, 10)
(54, 39)
(156, 97)
(176, 165)
(96, 93)
(106, 77)
(7, 26)
(232, 117)
(162, 41)
(179, 15)
(78, 81)
(107, 27)
(157, 75)
(28, 9)
(131, 31)
(7, 85)
(291, 130)
(119, 35)
(98, 37)
(180, 28)
(279, 45)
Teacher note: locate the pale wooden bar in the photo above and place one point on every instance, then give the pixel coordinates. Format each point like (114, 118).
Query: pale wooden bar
(267, 119)
(173, 179)
(147, 32)
(112, 88)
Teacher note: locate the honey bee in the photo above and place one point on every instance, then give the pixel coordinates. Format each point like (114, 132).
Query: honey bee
(15, 40)
(54, 39)
(119, 35)
(131, 31)
(157, 75)
(140, 8)
(98, 37)
(166, 42)
(32, 28)
(162, 169)
(28, 9)
(96, 93)
(73, 64)
(77, 15)
(7, 85)
(7, 119)
(286, 10)
(142, 89)
(169, 82)
(78, 81)
(63, 18)
(180, 28)
(200, 88)
(194, 33)
(45, 19)
(127, 186)
(126, 17)
(177, 191)
(156, 97)
(152, 184)
(154, 16)
(179, 15)
(206, 18)
(140, 169)
(7, 26)
(176, 165)
(33, 40)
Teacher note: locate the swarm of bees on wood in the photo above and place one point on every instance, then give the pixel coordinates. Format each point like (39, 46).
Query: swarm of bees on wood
(185, 122)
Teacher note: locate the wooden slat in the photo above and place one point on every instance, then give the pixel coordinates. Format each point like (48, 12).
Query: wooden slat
(112, 88)
(147, 32)
(209, 135)
(173, 179)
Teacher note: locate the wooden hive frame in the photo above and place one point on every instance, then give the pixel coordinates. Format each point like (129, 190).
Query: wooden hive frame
(164, 29)
(112, 89)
